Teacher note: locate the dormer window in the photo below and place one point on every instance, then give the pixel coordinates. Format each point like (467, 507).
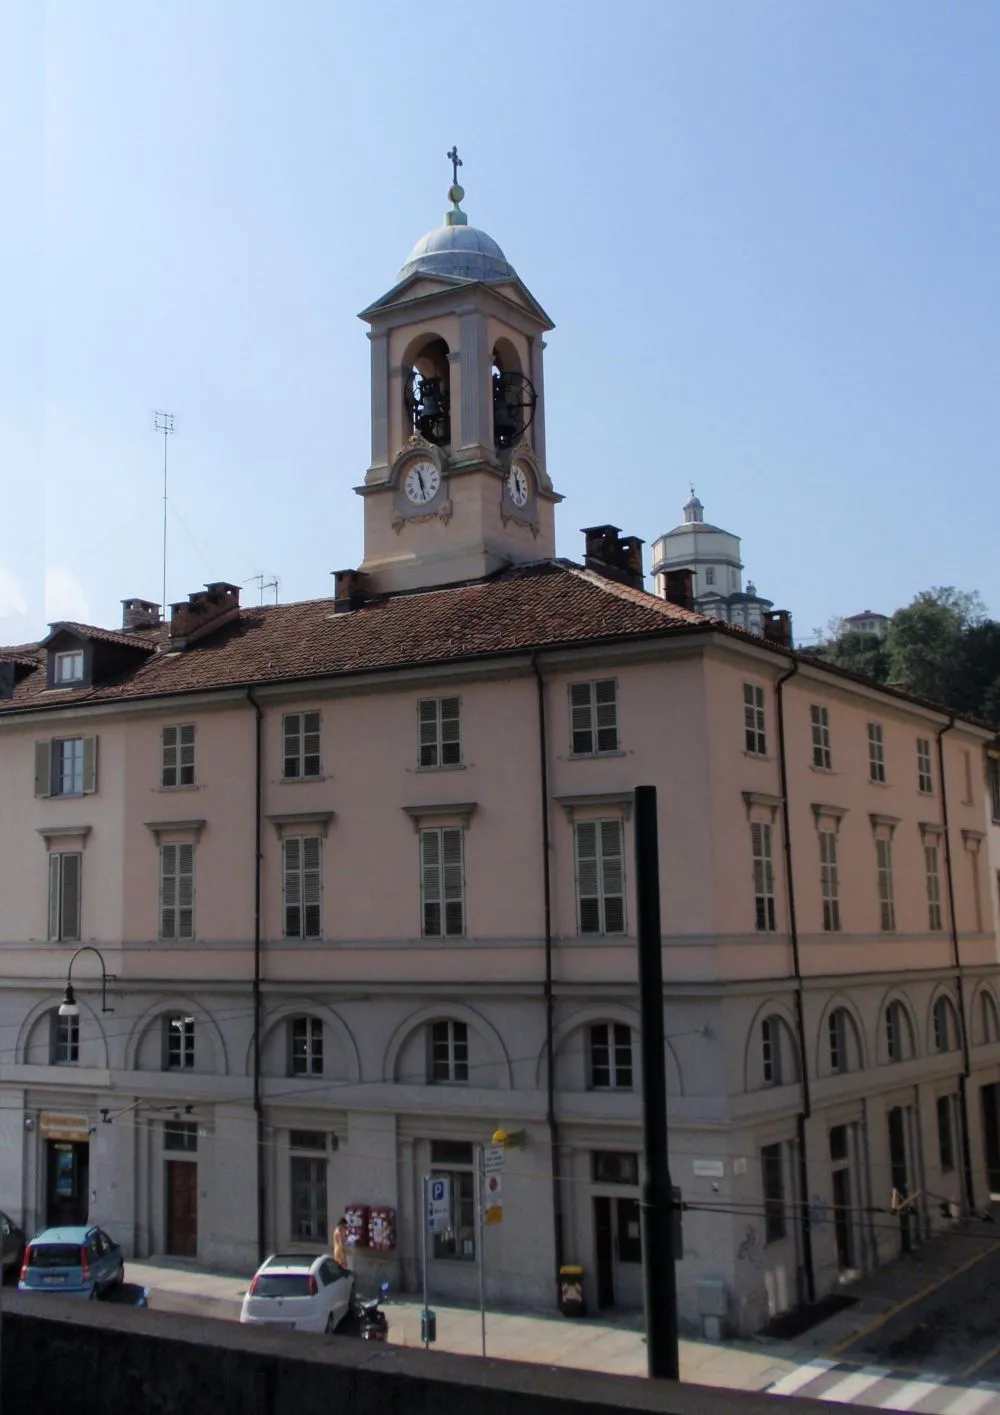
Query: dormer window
(68, 668)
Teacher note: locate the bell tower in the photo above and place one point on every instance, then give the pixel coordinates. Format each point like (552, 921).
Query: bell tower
(457, 487)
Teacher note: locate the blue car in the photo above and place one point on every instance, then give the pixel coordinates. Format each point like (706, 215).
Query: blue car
(79, 1262)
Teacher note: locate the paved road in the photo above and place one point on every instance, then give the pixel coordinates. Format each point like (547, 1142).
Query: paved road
(939, 1354)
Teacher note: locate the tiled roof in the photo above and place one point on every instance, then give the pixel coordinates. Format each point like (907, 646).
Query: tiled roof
(544, 605)
(131, 638)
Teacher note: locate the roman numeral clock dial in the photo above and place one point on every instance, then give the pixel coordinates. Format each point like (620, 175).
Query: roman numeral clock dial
(421, 483)
(517, 486)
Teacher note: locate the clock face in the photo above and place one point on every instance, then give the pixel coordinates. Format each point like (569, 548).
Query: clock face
(421, 482)
(517, 486)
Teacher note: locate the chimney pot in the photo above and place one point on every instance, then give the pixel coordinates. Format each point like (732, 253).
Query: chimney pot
(609, 553)
(206, 609)
(678, 588)
(350, 590)
(777, 627)
(140, 614)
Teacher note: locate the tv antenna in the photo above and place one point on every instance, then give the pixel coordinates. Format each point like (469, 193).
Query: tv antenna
(164, 422)
(264, 584)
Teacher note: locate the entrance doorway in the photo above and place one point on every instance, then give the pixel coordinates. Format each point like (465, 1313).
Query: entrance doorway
(182, 1208)
(842, 1219)
(617, 1239)
(991, 1135)
(898, 1171)
(67, 1183)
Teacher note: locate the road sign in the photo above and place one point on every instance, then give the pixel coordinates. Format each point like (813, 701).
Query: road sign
(494, 1159)
(439, 1204)
(493, 1198)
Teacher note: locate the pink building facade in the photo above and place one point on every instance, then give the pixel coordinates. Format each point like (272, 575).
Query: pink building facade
(361, 873)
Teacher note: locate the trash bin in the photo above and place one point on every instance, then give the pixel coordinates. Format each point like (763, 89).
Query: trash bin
(571, 1302)
(428, 1325)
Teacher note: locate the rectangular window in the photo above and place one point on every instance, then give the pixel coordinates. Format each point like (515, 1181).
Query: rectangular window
(820, 736)
(181, 1135)
(307, 1139)
(449, 1052)
(876, 752)
(65, 1040)
(838, 1040)
(611, 1057)
(770, 1049)
(306, 1046)
(933, 877)
(442, 882)
(301, 745)
(753, 717)
(69, 667)
(177, 747)
(301, 858)
(774, 1193)
(594, 717)
(946, 1132)
(763, 877)
(838, 1143)
(614, 1167)
(925, 778)
(993, 771)
(453, 1160)
(67, 767)
(887, 907)
(440, 732)
(600, 877)
(710, 575)
(180, 1043)
(308, 1194)
(176, 891)
(64, 897)
(829, 880)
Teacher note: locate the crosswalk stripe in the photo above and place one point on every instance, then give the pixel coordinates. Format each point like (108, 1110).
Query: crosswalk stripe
(972, 1402)
(906, 1397)
(799, 1377)
(853, 1385)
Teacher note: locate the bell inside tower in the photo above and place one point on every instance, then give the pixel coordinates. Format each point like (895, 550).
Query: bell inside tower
(427, 392)
(514, 399)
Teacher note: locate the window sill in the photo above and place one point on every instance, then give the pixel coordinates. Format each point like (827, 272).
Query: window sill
(823, 770)
(299, 780)
(171, 790)
(758, 756)
(447, 766)
(873, 782)
(591, 756)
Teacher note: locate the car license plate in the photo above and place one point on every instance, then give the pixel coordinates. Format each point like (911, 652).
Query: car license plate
(54, 1280)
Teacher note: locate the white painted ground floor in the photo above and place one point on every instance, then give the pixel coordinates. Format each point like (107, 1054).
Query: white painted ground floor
(178, 1175)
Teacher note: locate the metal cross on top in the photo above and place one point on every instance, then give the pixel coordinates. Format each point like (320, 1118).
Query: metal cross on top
(456, 163)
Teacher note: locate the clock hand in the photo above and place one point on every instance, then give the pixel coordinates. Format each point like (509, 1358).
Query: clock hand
(420, 479)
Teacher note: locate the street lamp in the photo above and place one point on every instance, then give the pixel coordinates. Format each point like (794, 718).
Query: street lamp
(69, 1007)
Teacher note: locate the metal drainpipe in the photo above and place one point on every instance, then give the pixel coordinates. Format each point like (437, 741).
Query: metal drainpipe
(550, 1098)
(793, 929)
(257, 1008)
(963, 1095)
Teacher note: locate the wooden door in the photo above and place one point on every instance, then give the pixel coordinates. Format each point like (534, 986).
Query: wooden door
(182, 1208)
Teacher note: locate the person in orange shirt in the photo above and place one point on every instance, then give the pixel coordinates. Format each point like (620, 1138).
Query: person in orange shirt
(340, 1242)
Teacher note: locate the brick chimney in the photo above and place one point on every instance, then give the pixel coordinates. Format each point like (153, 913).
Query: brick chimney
(205, 611)
(618, 557)
(778, 627)
(678, 588)
(140, 614)
(350, 590)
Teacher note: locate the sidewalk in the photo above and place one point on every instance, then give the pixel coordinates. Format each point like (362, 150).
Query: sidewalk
(614, 1346)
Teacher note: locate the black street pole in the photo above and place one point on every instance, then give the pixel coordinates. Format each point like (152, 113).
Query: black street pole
(657, 1201)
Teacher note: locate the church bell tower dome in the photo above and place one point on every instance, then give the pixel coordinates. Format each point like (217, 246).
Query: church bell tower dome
(457, 250)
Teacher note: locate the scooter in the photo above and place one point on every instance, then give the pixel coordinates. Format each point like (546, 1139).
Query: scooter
(373, 1325)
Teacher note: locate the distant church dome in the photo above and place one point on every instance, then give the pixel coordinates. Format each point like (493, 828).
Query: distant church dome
(458, 249)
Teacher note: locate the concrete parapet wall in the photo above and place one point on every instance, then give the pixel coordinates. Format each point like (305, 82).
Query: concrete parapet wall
(78, 1358)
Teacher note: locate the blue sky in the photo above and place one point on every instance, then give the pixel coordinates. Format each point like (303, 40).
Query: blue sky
(767, 231)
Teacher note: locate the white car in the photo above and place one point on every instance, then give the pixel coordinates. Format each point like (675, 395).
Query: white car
(301, 1292)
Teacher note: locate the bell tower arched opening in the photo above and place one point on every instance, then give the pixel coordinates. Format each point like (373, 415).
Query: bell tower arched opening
(514, 396)
(427, 391)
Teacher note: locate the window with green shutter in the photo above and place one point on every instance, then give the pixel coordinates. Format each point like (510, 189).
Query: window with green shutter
(302, 886)
(177, 768)
(440, 732)
(64, 897)
(176, 891)
(593, 717)
(600, 877)
(442, 882)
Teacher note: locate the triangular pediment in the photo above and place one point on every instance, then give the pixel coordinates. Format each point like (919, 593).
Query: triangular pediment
(420, 287)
